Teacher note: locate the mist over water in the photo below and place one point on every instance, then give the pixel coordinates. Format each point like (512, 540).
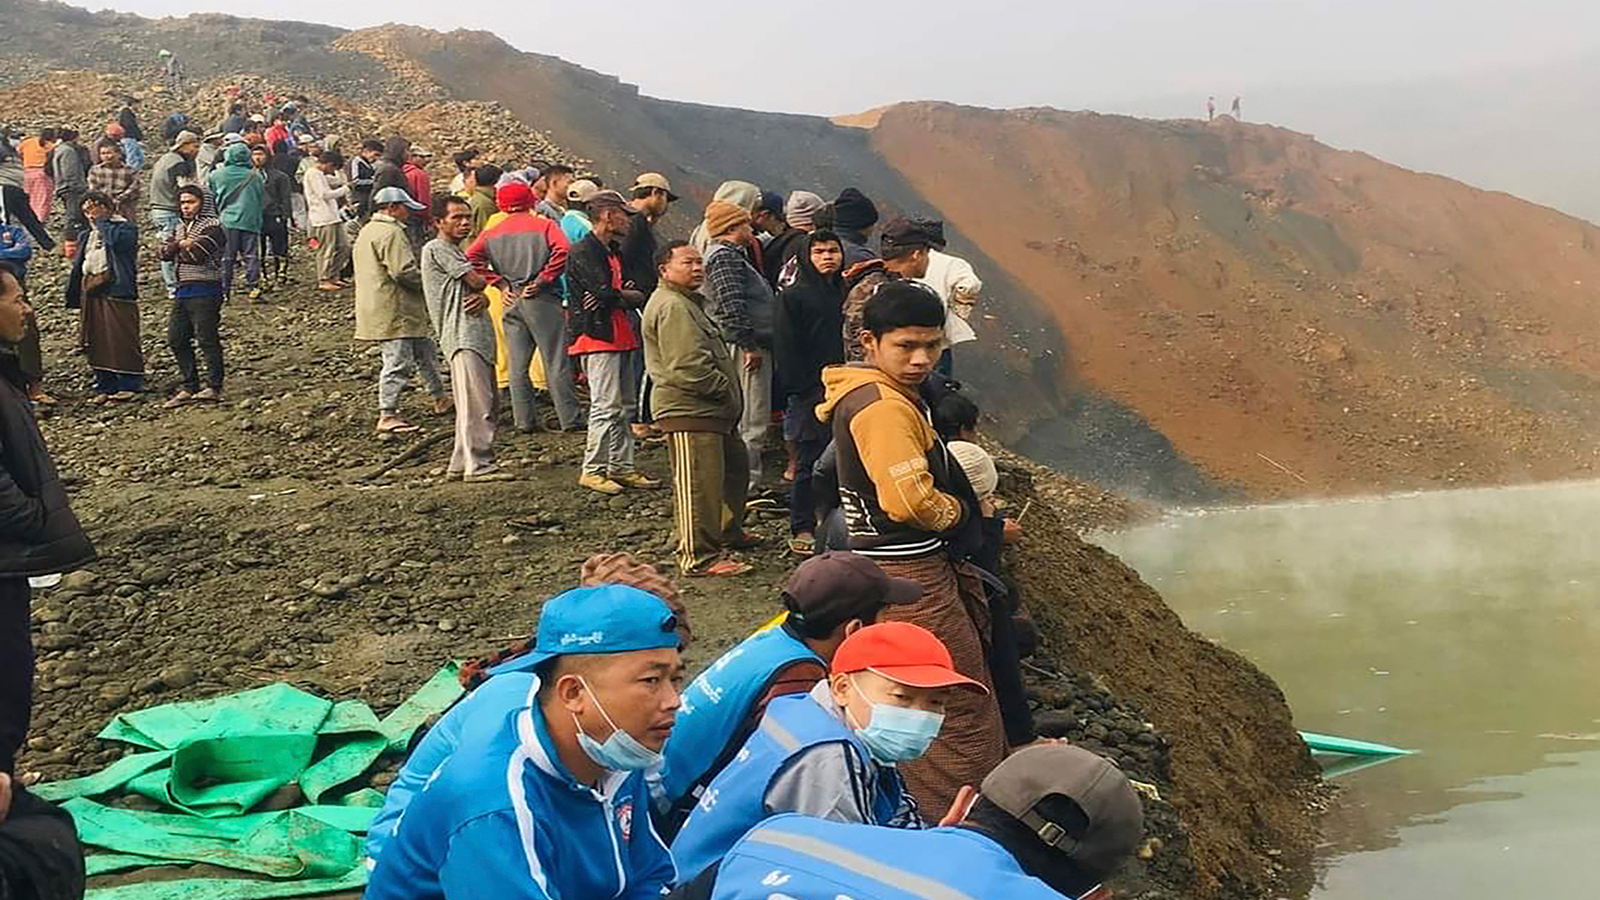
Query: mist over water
(1463, 624)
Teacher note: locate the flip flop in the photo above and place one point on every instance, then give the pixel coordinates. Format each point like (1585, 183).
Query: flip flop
(725, 568)
(803, 546)
(747, 541)
(398, 428)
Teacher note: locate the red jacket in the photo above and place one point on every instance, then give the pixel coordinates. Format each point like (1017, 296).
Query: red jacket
(522, 251)
(421, 190)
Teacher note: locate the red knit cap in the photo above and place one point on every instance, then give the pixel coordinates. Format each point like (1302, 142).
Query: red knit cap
(514, 196)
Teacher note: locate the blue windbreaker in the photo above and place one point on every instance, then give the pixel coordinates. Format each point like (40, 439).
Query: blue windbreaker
(503, 818)
(801, 857)
(494, 699)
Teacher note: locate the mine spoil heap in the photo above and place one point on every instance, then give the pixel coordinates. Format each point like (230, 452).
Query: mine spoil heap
(239, 545)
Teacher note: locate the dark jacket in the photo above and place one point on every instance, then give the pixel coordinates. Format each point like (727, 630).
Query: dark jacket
(780, 250)
(389, 171)
(174, 125)
(810, 327)
(38, 532)
(592, 268)
(122, 249)
(280, 192)
(639, 255)
(129, 120)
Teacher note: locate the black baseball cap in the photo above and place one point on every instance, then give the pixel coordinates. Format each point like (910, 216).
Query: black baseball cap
(902, 232)
(837, 586)
(1114, 817)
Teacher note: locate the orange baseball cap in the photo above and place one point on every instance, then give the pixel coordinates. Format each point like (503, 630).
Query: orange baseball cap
(902, 652)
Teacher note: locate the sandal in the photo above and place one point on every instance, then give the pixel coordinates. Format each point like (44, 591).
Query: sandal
(721, 568)
(177, 400)
(491, 475)
(397, 426)
(747, 540)
(803, 546)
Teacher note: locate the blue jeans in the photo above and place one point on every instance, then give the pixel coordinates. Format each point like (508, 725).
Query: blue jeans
(248, 245)
(167, 220)
(109, 382)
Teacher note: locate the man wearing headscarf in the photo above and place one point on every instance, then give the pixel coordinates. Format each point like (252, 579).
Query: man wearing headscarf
(742, 194)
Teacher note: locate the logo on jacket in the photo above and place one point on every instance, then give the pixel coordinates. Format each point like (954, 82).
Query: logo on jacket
(625, 820)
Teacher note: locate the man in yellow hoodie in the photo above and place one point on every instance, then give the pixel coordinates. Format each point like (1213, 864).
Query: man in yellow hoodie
(903, 498)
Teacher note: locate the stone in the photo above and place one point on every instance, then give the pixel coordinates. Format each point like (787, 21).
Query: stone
(1054, 723)
(178, 676)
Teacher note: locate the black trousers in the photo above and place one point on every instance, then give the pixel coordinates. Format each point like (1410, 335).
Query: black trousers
(802, 499)
(274, 236)
(196, 320)
(16, 669)
(40, 857)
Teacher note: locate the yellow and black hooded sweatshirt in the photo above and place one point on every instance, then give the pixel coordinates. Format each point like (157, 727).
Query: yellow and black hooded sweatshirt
(895, 481)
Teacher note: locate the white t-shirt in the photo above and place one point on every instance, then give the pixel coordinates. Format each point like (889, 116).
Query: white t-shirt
(952, 278)
(322, 197)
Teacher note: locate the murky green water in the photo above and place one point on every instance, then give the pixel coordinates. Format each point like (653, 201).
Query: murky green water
(1463, 624)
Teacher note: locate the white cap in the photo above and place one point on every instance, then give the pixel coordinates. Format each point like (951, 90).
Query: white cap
(979, 466)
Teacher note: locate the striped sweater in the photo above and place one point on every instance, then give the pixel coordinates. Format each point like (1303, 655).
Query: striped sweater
(200, 262)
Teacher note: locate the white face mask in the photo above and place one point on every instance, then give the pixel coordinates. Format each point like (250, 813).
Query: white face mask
(895, 734)
(620, 752)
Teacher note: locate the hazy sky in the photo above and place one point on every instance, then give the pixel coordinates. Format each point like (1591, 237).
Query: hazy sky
(829, 58)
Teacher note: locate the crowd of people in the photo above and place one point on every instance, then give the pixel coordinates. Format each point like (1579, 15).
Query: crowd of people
(878, 734)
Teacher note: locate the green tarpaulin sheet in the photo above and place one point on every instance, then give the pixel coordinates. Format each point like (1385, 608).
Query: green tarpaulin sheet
(214, 760)
(230, 888)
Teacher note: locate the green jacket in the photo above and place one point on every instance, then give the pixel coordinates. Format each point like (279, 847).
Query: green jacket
(481, 199)
(239, 191)
(389, 301)
(693, 381)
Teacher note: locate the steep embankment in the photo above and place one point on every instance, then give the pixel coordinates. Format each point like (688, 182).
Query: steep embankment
(1296, 319)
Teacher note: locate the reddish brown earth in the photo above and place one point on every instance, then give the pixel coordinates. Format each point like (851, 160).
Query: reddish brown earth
(1254, 293)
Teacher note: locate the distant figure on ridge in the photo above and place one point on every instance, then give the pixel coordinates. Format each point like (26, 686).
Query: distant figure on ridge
(1211, 109)
(1236, 101)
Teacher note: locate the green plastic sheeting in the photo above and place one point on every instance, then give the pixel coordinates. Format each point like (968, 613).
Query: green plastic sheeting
(214, 760)
(104, 781)
(432, 698)
(287, 844)
(354, 819)
(1327, 743)
(229, 753)
(106, 863)
(230, 888)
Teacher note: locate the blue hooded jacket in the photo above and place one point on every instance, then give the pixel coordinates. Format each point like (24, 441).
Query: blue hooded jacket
(239, 191)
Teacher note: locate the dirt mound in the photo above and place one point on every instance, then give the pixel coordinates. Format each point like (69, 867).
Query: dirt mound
(867, 119)
(1296, 319)
(1244, 780)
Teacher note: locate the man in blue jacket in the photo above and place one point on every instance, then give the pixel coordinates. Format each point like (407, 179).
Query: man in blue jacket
(549, 801)
(833, 753)
(828, 598)
(1050, 823)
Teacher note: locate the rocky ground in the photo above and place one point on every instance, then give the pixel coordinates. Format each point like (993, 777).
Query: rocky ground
(247, 543)
(242, 544)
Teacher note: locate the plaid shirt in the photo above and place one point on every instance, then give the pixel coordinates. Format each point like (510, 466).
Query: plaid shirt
(742, 304)
(120, 183)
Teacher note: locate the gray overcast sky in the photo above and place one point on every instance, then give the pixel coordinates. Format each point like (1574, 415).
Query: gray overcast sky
(831, 58)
